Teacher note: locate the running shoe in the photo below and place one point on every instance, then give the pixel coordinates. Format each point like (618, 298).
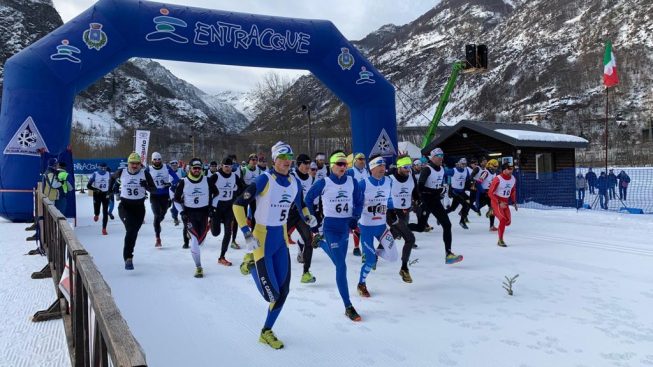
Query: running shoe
(248, 261)
(199, 273)
(405, 276)
(362, 290)
(352, 314)
(308, 277)
(453, 258)
(225, 262)
(268, 337)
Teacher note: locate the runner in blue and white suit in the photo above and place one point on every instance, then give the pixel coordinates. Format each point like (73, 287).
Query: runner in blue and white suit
(341, 205)
(269, 259)
(377, 199)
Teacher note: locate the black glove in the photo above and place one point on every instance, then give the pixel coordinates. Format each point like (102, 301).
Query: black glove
(167, 184)
(212, 211)
(144, 183)
(353, 223)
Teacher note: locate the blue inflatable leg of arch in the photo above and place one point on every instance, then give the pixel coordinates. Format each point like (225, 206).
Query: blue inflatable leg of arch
(42, 80)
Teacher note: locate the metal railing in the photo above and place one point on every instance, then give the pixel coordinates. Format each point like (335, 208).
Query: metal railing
(96, 332)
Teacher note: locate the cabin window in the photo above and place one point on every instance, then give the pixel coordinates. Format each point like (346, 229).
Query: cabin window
(543, 166)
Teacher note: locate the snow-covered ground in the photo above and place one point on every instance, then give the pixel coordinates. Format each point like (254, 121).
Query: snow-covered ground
(24, 343)
(583, 298)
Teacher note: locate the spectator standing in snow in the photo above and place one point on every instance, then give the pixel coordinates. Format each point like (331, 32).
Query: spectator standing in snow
(624, 181)
(612, 183)
(602, 185)
(581, 185)
(591, 180)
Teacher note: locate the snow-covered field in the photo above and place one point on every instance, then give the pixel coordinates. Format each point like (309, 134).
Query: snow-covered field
(24, 343)
(583, 298)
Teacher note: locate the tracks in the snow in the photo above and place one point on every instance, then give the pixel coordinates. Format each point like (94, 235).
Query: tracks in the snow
(576, 242)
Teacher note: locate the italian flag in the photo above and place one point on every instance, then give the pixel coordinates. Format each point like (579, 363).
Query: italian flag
(610, 78)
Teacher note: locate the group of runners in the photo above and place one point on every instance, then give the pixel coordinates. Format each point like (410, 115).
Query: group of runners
(324, 200)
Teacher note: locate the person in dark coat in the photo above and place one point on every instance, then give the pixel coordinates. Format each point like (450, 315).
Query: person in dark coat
(624, 181)
(612, 183)
(602, 185)
(590, 176)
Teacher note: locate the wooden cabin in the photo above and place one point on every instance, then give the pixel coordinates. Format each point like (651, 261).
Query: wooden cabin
(544, 160)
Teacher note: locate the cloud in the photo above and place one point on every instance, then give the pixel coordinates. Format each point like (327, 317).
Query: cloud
(355, 19)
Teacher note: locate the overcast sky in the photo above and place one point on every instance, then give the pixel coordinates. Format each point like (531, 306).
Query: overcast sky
(354, 18)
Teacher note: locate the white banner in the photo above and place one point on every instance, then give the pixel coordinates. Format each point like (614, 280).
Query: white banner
(142, 143)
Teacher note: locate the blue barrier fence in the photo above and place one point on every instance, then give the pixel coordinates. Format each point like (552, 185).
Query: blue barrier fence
(625, 189)
(88, 166)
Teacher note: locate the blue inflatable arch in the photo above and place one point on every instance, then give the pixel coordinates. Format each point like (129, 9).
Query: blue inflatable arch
(42, 80)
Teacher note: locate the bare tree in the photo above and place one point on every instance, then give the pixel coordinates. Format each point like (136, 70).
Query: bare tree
(268, 90)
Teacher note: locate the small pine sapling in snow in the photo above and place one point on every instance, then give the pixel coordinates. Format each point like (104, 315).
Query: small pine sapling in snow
(507, 285)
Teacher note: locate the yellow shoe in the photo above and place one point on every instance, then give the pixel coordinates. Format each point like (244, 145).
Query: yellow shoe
(268, 337)
(248, 260)
(405, 276)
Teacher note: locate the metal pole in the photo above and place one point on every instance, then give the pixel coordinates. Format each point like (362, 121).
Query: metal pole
(606, 129)
(310, 139)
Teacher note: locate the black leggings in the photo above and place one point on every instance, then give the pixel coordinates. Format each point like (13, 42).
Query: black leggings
(304, 230)
(460, 198)
(485, 200)
(434, 206)
(101, 199)
(159, 204)
(422, 214)
(131, 214)
(223, 215)
(401, 229)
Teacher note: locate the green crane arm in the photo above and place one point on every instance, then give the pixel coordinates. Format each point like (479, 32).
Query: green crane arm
(444, 99)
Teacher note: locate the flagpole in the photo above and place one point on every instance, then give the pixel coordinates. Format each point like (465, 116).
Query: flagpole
(606, 128)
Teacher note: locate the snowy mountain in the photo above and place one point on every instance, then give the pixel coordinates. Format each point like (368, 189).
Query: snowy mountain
(545, 57)
(22, 22)
(139, 93)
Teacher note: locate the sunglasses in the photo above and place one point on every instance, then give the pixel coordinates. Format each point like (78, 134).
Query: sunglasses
(196, 168)
(285, 156)
(439, 156)
(360, 159)
(157, 159)
(341, 164)
(304, 162)
(406, 167)
(253, 159)
(313, 169)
